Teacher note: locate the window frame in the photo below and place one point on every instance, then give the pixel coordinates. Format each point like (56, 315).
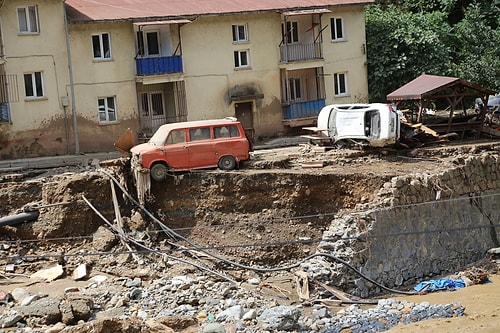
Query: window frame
(146, 99)
(295, 89)
(237, 56)
(336, 24)
(101, 45)
(340, 81)
(36, 87)
(107, 109)
(293, 36)
(236, 33)
(143, 45)
(27, 17)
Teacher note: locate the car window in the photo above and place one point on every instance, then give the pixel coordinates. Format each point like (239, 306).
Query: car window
(176, 136)
(229, 131)
(196, 134)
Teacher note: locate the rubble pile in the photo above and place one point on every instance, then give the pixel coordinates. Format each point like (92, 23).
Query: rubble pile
(196, 302)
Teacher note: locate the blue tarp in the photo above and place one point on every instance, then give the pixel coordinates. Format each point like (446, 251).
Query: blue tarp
(440, 284)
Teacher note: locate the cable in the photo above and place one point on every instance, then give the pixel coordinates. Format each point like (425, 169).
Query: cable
(258, 269)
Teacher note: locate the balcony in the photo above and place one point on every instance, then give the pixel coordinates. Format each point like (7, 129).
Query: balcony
(306, 109)
(300, 52)
(158, 65)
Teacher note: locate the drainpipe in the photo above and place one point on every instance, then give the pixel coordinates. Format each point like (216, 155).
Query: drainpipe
(71, 83)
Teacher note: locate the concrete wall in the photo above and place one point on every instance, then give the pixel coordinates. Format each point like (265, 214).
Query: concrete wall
(210, 75)
(347, 56)
(421, 227)
(105, 78)
(37, 125)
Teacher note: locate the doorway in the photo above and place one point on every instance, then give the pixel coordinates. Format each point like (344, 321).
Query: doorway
(244, 113)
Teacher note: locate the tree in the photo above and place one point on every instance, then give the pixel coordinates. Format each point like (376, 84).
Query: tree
(477, 54)
(402, 45)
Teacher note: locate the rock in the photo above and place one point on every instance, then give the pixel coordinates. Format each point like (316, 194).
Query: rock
(80, 272)
(214, 328)
(280, 318)
(103, 239)
(49, 274)
(11, 319)
(28, 299)
(19, 294)
(251, 314)
(178, 323)
(46, 310)
(81, 307)
(233, 312)
(58, 327)
(155, 327)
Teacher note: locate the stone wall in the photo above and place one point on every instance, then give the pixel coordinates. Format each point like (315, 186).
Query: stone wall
(421, 226)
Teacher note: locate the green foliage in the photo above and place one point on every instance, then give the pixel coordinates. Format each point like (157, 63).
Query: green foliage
(403, 45)
(477, 57)
(413, 37)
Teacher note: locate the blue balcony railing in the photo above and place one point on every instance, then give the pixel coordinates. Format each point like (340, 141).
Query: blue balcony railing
(160, 65)
(303, 109)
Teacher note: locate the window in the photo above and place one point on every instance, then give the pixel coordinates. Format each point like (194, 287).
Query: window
(295, 93)
(152, 104)
(340, 84)
(107, 109)
(291, 33)
(197, 134)
(240, 33)
(241, 59)
(226, 132)
(28, 19)
(33, 84)
(101, 45)
(176, 136)
(148, 43)
(337, 27)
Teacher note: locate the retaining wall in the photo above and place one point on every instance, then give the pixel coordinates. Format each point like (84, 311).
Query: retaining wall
(421, 226)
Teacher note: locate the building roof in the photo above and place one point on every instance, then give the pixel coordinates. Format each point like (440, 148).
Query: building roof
(427, 85)
(135, 10)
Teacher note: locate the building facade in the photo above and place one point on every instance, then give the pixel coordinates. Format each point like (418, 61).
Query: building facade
(108, 68)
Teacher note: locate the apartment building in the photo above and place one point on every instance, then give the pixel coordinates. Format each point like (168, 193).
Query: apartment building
(86, 71)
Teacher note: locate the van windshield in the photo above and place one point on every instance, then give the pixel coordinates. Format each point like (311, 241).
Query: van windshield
(158, 139)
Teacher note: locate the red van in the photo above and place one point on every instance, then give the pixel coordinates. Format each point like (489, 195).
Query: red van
(193, 145)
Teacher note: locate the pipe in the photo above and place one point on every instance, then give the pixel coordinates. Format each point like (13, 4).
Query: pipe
(19, 218)
(71, 82)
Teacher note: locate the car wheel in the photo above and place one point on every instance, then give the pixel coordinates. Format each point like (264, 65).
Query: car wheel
(159, 172)
(227, 163)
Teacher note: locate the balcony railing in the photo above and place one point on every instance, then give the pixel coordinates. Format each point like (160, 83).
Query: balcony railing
(160, 65)
(303, 109)
(300, 52)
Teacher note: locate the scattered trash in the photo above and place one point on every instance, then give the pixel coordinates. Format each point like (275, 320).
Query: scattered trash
(439, 284)
(5, 297)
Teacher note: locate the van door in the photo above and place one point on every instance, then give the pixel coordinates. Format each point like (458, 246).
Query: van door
(176, 150)
(201, 148)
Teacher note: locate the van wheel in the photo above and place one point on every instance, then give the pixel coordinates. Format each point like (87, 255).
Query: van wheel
(227, 163)
(159, 172)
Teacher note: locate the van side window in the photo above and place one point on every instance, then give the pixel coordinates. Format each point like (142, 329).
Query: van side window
(196, 134)
(176, 136)
(226, 132)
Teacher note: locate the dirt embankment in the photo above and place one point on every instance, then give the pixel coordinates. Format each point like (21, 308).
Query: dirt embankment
(275, 208)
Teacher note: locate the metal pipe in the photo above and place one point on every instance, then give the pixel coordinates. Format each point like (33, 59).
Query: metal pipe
(71, 83)
(19, 218)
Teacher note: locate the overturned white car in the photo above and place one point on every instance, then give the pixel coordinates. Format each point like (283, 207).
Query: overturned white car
(375, 125)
